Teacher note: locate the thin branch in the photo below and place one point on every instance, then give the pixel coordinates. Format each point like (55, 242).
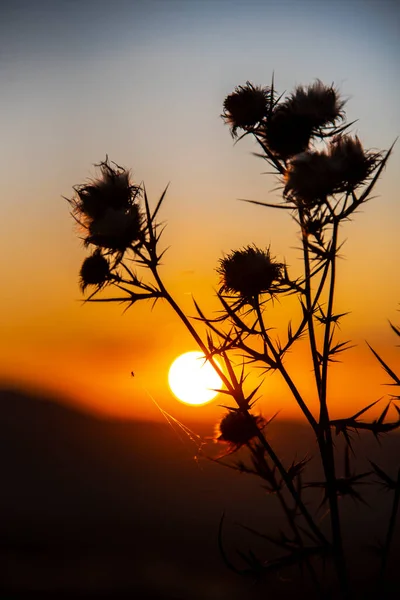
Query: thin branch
(306, 411)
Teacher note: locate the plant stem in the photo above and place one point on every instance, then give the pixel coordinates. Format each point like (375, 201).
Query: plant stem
(390, 533)
(290, 487)
(324, 416)
(325, 441)
(289, 515)
(306, 411)
(167, 296)
(310, 305)
(240, 400)
(324, 435)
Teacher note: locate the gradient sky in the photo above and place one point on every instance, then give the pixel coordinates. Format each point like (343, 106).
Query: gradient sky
(144, 83)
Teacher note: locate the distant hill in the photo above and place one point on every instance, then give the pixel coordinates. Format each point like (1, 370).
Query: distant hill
(95, 507)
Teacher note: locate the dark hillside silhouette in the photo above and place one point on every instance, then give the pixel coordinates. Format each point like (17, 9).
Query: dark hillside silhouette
(121, 508)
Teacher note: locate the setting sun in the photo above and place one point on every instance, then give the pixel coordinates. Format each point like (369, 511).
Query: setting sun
(192, 380)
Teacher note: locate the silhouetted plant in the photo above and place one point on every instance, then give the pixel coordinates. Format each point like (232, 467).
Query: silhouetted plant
(322, 188)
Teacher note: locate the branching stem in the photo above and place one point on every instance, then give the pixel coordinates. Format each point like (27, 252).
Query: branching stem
(237, 394)
(325, 441)
(309, 304)
(306, 411)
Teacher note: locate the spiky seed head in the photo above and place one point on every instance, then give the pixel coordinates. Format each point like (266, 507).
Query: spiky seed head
(249, 272)
(237, 428)
(112, 190)
(287, 133)
(320, 104)
(312, 176)
(350, 162)
(116, 230)
(95, 270)
(246, 106)
(309, 178)
(294, 121)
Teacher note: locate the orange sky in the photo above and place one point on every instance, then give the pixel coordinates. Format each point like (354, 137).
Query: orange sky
(148, 90)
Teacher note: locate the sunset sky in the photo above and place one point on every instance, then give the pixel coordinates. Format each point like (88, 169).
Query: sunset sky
(143, 82)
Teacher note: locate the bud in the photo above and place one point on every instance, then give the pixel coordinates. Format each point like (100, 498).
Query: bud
(246, 106)
(318, 103)
(293, 122)
(112, 190)
(108, 210)
(350, 162)
(95, 270)
(287, 133)
(237, 428)
(249, 272)
(310, 178)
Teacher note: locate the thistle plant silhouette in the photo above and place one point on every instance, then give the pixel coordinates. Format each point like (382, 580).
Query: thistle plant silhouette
(322, 188)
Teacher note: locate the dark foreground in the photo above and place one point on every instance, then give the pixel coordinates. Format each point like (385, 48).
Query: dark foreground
(98, 509)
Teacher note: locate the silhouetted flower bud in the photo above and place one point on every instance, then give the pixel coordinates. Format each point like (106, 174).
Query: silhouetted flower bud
(287, 133)
(293, 122)
(246, 106)
(310, 177)
(249, 272)
(237, 428)
(108, 209)
(116, 230)
(318, 103)
(112, 191)
(95, 270)
(350, 162)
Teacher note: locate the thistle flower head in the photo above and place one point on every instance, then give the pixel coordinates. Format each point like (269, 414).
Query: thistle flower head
(112, 190)
(108, 210)
(350, 162)
(246, 106)
(95, 270)
(293, 122)
(249, 272)
(318, 103)
(287, 133)
(310, 178)
(237, 428)
(115, 230)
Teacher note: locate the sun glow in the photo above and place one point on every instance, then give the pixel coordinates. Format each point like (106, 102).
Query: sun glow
(192, 380)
